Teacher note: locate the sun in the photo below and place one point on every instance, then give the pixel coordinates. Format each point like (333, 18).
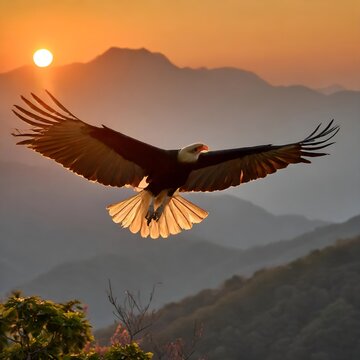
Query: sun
(42, 57)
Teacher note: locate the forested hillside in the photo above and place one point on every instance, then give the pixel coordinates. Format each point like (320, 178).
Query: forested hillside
(182, 267)
(308, 309)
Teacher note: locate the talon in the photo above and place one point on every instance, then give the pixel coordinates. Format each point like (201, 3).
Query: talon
(150, 214)
(158, 213)
(156, 216)
(153, 214)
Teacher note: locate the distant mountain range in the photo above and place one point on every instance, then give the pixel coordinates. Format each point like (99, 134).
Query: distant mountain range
(181, 265)
(307, 309)
(140, 92)
(332, 89)
(57, 240)
(49, 216)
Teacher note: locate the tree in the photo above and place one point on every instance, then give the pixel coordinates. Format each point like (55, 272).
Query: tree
(33, 328)
(115, 352)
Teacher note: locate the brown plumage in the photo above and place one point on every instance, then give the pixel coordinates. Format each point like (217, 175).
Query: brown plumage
(108, 157)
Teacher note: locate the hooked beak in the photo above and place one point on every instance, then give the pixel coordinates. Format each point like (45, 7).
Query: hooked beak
(203, 148)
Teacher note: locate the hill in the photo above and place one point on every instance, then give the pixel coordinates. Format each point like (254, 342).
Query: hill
(241, 224)
(308, 309)
(50, 216)
(180, 267)
(139, 92)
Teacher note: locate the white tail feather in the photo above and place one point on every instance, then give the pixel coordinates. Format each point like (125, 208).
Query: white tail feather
(179, 214)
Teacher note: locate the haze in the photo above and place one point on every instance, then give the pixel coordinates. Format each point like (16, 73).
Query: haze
(171, 73)
(138, 92)
(314, 43)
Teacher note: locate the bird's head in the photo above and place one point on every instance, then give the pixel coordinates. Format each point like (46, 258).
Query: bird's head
(190, 153)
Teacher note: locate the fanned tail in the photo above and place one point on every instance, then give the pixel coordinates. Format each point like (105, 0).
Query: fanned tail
(131, 212)
(179, 214)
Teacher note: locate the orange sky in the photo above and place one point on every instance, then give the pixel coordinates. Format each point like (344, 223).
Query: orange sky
(311, 42)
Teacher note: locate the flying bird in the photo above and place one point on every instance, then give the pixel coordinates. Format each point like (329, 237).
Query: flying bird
(111, 158)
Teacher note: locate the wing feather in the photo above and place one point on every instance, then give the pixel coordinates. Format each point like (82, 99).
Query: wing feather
(98, 154)
(218, 170)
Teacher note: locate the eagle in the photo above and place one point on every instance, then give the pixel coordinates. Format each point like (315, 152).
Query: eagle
(158, 176)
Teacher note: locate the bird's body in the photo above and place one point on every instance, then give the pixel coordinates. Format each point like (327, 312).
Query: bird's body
(111, 158)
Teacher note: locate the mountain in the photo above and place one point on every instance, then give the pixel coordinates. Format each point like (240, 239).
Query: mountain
(144, 95)
(332, 89)
(180, 267)
(176, 268)
(308, 309)
(241, 224)
(49, 216)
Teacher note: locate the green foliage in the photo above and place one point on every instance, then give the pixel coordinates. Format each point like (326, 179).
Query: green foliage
(127, 352)
(31, 327)
(115, 352)
(92, 355)
(37, 329)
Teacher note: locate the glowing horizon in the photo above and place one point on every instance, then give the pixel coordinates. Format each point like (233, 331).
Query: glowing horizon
(294, 42)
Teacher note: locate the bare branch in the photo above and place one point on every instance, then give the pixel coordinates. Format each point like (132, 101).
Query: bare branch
(133, 316)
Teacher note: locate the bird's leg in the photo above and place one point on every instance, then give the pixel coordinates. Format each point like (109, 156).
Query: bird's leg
(157, 206)
(151, 212)
(161, 208)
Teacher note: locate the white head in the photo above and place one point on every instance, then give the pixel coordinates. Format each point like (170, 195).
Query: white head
(190, 153)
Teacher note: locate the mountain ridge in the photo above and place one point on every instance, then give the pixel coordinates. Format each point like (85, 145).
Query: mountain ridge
(298, 311)
(207, 265)
(48, 215)
(223, 107)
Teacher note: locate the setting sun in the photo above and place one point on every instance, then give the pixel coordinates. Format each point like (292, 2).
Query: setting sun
(43, 57)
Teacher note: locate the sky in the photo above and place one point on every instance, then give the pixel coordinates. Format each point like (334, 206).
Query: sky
(309, 42)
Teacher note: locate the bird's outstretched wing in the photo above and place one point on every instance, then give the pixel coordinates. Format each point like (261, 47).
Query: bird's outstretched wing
(99, 154)
(218, 170)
